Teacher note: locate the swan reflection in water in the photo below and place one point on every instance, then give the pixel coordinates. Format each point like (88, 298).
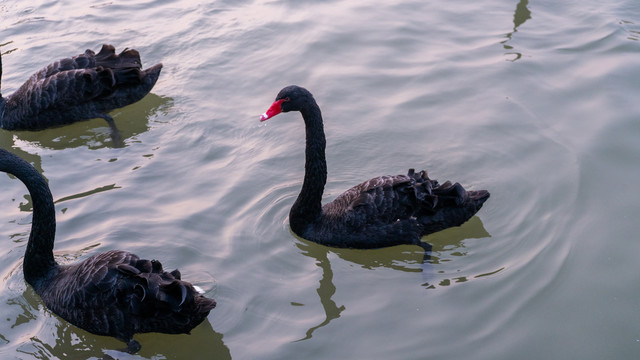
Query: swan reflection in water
(95, 134)
(521, 15)
(446, 246)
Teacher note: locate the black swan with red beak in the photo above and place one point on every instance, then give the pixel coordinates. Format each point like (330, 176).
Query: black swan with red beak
(114, 293)
(82, 87)
(383, 211)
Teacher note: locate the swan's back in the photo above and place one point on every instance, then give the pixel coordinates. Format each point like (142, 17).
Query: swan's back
(107, 58)
(118, 294)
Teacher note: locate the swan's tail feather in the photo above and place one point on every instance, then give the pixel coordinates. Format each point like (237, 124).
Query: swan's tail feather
(128, 58)
(127, 85)
(137, 82)
(160, 300)
(176, 274)
(150, 75)
(422, 188)
(127, 76)
(444, 205)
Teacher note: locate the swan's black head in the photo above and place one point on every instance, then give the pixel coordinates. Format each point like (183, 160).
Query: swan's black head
(290, 98)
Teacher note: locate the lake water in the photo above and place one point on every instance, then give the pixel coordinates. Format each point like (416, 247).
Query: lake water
(536, 101)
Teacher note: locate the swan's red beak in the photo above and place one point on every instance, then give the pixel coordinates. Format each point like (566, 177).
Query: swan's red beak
(274, 109)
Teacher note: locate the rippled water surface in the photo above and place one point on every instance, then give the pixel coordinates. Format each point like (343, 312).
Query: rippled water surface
(536, 101)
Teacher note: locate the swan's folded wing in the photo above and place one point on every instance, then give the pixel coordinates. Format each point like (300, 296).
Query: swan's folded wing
(68, 90)
(386, 199)
(138, 286)
(379, 191)
(371, 200)
(83, 61)
(96, 276)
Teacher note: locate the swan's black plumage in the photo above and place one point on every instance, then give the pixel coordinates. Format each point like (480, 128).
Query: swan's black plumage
(82, 87)
(384, 211)
(113, 293)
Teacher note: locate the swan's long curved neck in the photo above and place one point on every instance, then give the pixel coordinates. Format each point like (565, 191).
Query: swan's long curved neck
(2, 101)
(0, 74)
(2, 108)
(308, 205)
(38, 258)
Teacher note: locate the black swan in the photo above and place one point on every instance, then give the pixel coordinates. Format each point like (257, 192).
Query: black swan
(114, 293)
(83, 87)
(384, 211)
